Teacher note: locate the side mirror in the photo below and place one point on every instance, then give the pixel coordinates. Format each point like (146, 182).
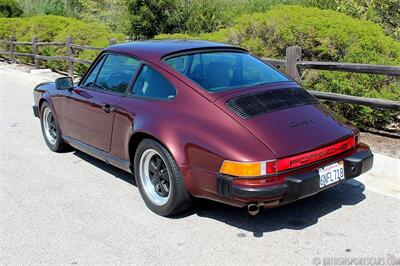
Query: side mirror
(64, 83)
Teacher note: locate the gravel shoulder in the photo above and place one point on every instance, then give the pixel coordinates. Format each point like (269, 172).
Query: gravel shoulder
(389, 146)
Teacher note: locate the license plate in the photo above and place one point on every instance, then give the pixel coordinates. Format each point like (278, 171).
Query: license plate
(331, 174)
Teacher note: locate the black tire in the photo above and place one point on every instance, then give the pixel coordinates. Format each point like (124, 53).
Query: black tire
(59, 145)
(178, 199)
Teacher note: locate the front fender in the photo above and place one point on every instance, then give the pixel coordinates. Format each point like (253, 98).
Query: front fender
(47, 92)
(41, 94)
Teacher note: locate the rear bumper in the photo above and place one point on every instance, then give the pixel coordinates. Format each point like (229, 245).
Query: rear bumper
(297, 186)
(35, 110)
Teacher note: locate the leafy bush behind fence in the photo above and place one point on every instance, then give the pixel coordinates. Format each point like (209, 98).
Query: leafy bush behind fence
(55, 28)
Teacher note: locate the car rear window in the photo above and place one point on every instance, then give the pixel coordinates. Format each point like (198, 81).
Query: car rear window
(218, 71)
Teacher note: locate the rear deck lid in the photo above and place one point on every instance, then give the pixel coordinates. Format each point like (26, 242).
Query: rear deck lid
(286, 119)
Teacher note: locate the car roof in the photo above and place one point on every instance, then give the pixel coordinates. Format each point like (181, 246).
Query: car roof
(155, 50)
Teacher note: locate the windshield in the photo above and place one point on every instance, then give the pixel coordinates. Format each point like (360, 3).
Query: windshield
(219, 71)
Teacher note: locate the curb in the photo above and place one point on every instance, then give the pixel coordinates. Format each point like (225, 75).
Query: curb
(383, 178)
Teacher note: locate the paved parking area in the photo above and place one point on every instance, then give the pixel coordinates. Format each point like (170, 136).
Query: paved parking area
(70, 208)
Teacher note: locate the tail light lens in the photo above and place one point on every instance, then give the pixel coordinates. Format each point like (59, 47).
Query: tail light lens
(241, 169)
(266, 168)
(253, 169)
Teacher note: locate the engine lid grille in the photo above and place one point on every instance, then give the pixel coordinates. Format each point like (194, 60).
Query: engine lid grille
(250, 105)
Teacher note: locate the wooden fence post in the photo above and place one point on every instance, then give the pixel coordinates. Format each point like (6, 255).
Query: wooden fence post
(112, 41)
(12, 50)
(293, 55)
(35, 53)
(70, 55)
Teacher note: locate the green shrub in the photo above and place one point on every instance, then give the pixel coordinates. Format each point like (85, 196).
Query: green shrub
(10, 9)
(241, 7)
(384, 12)
(112, 13)
(324, 35)
(31, 7)
(54, 28)
(150, 17)
(204, 16)
(54, 7)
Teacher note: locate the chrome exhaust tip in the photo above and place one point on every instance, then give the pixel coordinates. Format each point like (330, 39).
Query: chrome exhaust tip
(253, 209)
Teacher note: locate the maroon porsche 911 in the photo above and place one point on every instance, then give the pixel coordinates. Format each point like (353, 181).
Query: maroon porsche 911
(201, 119)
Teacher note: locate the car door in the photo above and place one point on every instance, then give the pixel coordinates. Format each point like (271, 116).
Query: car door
(89, 109)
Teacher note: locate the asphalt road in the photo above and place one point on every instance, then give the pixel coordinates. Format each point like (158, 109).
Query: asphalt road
(72, 209)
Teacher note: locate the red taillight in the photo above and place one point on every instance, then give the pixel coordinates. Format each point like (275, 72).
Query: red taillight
(270, 167)
(314, 156)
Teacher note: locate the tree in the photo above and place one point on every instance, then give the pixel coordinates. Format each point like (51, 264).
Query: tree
(151, 17)
(10, 9)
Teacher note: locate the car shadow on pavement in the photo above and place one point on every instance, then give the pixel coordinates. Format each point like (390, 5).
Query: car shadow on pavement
(295, 216)
(118, 173)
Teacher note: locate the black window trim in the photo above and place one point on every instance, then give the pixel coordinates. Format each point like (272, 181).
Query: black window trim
(97, 75)
(94, 64)
(91, 69)
(132, 95)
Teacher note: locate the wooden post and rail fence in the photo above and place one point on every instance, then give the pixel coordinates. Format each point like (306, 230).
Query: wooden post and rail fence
(292, 65)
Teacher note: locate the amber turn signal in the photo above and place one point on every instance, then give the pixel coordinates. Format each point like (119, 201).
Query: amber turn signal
(245, 169)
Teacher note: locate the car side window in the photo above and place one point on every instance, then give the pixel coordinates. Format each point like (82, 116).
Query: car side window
(152, 84)
(89, 81)
(116, 73)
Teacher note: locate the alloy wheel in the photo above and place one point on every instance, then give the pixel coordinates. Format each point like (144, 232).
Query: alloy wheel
(154, 177)
(49, 125)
